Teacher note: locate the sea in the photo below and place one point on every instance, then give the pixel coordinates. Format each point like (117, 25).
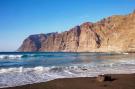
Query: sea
(21, 68)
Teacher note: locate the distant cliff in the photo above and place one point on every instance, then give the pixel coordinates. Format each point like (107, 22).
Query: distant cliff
(112, 34)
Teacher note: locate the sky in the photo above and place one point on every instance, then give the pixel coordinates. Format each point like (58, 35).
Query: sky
(21, 18)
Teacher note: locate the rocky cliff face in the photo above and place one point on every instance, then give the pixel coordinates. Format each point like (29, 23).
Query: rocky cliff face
(112, 34)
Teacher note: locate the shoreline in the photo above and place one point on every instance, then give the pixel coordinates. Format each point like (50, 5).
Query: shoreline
(66, 52)
(120, 81)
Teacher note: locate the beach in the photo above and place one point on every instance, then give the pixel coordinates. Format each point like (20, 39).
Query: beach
(67, 44)
(66, 70)
(119, 81)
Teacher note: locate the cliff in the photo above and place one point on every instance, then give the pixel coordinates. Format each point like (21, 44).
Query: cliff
(112, 34)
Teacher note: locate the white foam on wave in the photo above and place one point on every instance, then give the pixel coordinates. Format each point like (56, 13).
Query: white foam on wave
(10, 77)
(10, 56)
(125, 53)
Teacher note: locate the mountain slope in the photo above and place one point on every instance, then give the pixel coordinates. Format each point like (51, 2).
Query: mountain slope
(112, 34)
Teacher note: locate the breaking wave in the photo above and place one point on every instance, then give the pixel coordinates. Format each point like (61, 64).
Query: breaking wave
(10, 56)
(17, 76)
(42, 67)
(21, 56)
(50, 55)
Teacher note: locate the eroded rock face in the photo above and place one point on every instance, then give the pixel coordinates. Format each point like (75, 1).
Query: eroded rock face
(113, 34)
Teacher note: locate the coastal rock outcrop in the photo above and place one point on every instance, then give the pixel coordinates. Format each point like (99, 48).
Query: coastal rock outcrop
(112, 34)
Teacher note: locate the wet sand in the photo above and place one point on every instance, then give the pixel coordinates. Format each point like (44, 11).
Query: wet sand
(119, 81)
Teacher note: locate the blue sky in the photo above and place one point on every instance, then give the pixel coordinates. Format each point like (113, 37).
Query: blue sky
(20, 18)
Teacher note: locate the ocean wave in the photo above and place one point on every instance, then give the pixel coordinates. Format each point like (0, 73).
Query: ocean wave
(16, 56)
(17, 76)
(10, 56)
(22, 56)
(31, 73)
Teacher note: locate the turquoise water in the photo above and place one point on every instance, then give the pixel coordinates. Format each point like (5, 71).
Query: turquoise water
(20, 68)
(33, 59)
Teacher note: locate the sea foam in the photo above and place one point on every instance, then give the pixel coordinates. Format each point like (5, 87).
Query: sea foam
(43, 67)
(10, 56)
(17, 76)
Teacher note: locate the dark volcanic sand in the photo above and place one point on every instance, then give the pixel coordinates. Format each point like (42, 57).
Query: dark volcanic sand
(119, 81)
